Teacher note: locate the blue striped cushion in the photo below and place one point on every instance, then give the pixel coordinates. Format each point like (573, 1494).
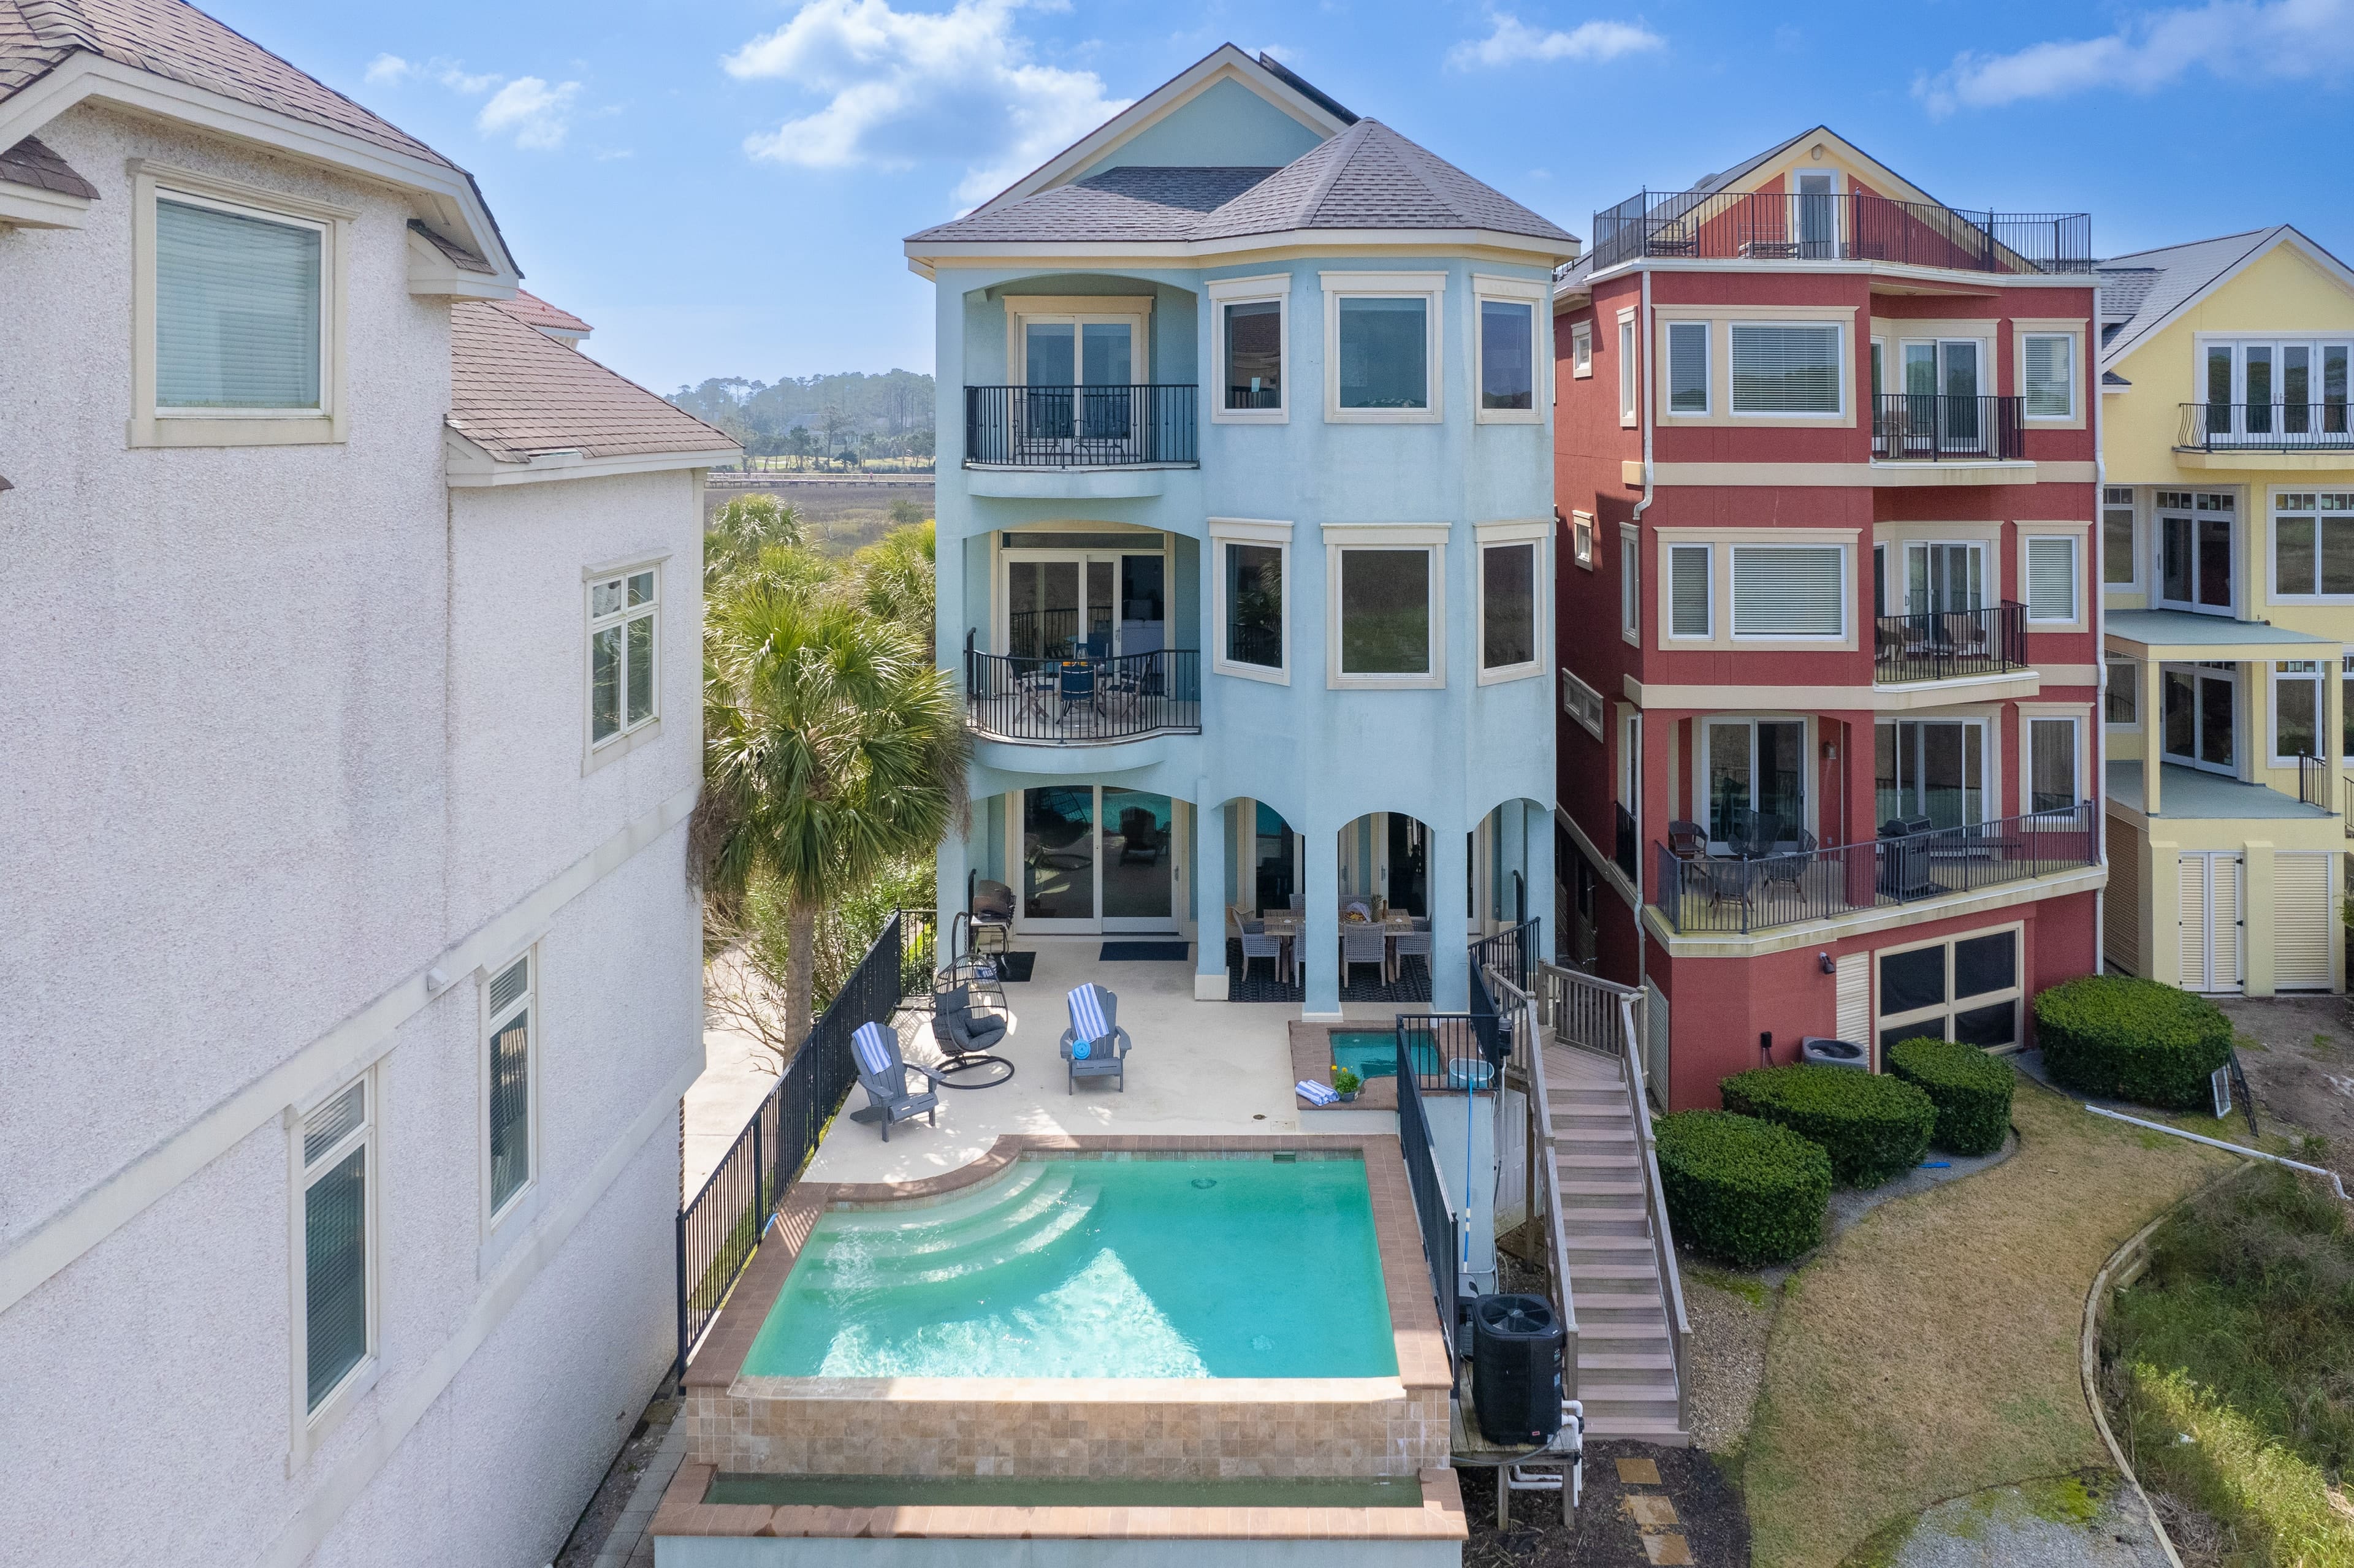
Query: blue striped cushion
(1087, 1020)
(875, 1049)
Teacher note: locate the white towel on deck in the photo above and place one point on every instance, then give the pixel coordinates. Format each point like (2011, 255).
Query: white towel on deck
(1088, 1020)
(1314, 1092)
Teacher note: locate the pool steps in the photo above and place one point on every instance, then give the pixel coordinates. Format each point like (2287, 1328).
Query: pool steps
(1026, 1215)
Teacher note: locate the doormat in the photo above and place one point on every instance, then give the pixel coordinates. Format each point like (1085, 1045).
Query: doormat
(1140, 952)
(1014, 966)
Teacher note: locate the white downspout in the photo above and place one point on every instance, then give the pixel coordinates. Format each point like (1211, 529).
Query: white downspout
(1643, 412)
(2096, 741)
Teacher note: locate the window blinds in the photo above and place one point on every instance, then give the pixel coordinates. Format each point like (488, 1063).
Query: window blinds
(2052, 580)
(1786, 369)
(1688, 367)
(1688, 590)
(1788, 590)
(236, 311)
(2048, 377)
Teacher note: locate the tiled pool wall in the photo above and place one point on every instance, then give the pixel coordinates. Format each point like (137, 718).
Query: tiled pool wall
(1194, 1428)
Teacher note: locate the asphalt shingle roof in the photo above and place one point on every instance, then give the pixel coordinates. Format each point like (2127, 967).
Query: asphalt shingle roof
(173, 40)
(31, 162)
(2146, 286)
(516, 392)
(1368, 176)
(531, 311)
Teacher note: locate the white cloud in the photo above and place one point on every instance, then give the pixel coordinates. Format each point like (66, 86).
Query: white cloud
(908, 87)
(1513, 40)
(389, 67)
(2248, 40)
(536, 113)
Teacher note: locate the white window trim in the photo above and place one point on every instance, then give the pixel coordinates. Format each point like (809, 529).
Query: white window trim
(1630, 398)
(1581, 703)
(1842, 363)
(1431, 537)
(2076, 534)
(151, 427)
(2079, 716)
(1669, 635)
(1224, 291)
(1846, 632)
(1224, 531)
(1580, 351)
(2272, 543)
(1668, 331)
(2274, 679)
(2074, 331)
(596, 754)
(2136, 582)
(1517, 291)
(524, 1201)
(2015, 993)
(1533, 533)
(1630, 584)
(1581, 539)
(1134, 309)
(311, 1427)
(1429, 287)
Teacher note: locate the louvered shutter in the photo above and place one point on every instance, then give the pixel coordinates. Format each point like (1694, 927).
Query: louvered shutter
(1791, 369)
(2192, 916)
(1852, 986)
(236, 310)
(2301, 922)
(2051, 578)
(1688, 590)
(1788, 590)
(2223, 922)
(2048, 372)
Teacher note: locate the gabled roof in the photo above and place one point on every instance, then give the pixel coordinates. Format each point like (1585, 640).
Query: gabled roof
(1367, 177)
(2142, 292)
(173, 40)
(31, 162)
(516, 393)
(531, 311)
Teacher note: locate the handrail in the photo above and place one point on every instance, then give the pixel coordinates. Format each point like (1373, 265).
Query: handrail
(1529, 1045)
(2282, 427)
(1949, 644)
(1107, 425)
(1082, 700)
(1663, 1243)
(1935, 427)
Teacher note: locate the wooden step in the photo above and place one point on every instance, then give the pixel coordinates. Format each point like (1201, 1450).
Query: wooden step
(1618, 1360)
(1621, 1335)
(1660, 1432)
(1633, 1189)
(1633, 1221)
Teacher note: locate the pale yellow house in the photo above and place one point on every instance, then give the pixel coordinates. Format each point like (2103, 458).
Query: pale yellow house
(2228, 562)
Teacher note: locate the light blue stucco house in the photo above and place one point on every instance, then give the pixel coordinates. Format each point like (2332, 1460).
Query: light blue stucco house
(1246, 524)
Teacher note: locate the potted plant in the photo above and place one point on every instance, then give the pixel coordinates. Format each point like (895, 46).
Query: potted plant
(1345, 1083)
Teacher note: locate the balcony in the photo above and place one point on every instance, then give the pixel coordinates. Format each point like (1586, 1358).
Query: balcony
(2322, 430)
(1949, 644)
(1726, 895)
(1082, 700)
(1909, 426)
(1780, 226)
(1059, 429)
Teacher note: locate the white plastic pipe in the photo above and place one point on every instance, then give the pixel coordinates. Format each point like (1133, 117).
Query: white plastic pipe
(2218, 1143)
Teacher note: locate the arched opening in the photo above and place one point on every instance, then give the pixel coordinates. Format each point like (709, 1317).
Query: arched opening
(1386, 940)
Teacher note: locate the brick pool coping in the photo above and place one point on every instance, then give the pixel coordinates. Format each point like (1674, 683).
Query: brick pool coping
(683, 1512)
(1311, 1057)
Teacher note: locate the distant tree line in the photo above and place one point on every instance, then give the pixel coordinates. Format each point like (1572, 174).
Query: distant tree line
(850, 415)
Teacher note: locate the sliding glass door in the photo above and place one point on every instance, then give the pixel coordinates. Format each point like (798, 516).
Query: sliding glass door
(1933, 768)
(1095, 604)
(1098, 858)
(1755, 783)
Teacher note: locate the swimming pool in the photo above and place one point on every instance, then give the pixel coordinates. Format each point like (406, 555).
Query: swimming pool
(1070, 1268)
(1372, 1053)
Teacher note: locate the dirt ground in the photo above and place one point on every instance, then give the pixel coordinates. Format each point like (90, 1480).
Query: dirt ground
(1707, 1514)
(2303, 1073)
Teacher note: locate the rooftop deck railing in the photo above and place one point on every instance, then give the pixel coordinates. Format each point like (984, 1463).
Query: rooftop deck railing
(1082, 700)
(1784, 226)
(721, 1225)
(1949, 644)
(2323, 427)
(1722, 894)
(1922, 427)
(1081, 427)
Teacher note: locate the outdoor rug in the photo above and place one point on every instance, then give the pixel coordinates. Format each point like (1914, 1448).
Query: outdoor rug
(1141, 952)
(1016, 966)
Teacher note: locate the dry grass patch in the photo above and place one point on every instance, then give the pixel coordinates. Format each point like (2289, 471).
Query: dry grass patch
(1932, 1349)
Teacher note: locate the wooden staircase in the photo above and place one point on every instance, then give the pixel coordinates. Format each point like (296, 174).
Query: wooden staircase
(1622, 1291)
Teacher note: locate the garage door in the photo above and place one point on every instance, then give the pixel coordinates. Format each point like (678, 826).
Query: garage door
(2301, 922)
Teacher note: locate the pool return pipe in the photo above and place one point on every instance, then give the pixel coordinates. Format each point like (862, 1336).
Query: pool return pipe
(2240, 1149)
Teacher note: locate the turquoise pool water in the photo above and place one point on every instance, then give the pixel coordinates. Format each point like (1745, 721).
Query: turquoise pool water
(1373, 1055)
(1143, 1268)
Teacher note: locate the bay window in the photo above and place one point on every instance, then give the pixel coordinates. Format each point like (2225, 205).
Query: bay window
(1251, 606)
(1252, 340)
(1506, 348)
(1387, 587)
(1508, 608)
(1384, 329)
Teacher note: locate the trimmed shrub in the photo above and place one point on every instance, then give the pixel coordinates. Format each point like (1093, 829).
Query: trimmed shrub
(1873, 1127)
(1740, 1189)
(2115, 1037)
(1970, 1089)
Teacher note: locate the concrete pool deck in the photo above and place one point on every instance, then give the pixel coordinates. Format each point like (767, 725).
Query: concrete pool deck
(1213, 1068)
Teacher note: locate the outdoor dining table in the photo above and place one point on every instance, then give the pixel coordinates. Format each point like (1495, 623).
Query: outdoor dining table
(1290, 925)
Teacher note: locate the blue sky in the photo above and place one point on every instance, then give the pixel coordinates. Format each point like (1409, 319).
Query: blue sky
(721, 187)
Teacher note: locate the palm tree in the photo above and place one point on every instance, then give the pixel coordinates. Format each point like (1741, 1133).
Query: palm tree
(833, 749)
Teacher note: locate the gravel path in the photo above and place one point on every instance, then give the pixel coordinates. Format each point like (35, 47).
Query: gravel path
(1728, 1355)
(2092, 1521)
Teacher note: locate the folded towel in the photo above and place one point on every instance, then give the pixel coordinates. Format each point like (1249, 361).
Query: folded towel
(1314, 1092)
(1087, 1020)
(875, 1049)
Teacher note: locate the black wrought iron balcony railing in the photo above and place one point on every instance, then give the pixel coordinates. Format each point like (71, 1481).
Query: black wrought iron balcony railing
(1625, 854)
(2324, 427)
(1922, 427)
(1785, 226)
(1724, 894)
(1081, 427)
(2316, 786)
(1949, 644)
(1082, 700)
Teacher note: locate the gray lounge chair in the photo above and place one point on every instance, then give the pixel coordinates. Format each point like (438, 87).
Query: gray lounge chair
(883, 1073)
(1095, 1045)
(959, 1029)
